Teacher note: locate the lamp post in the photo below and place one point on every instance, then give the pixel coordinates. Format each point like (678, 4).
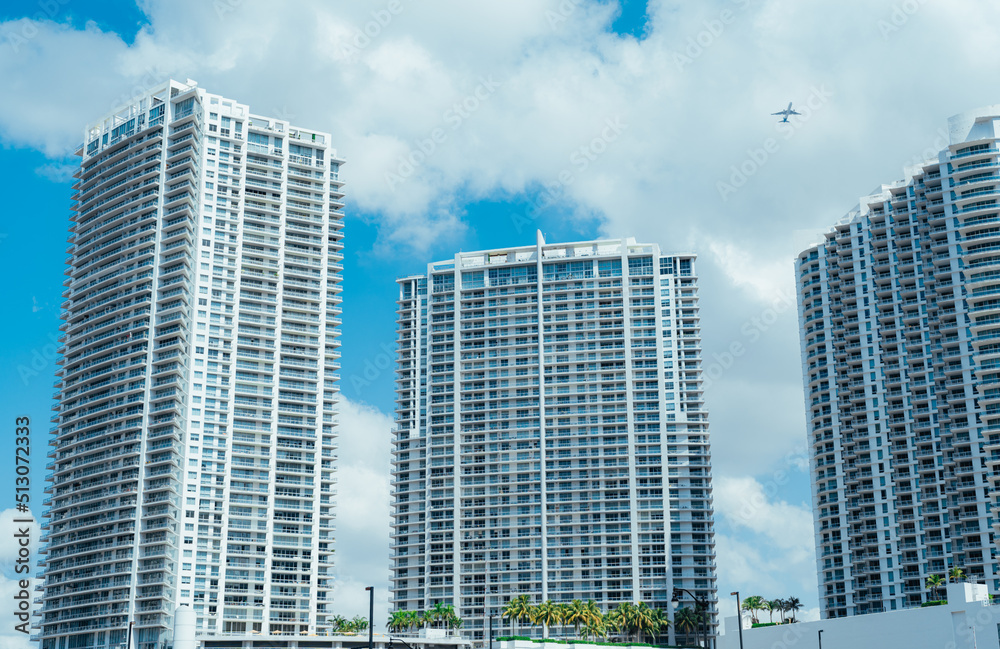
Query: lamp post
(491, 629)
(819, 634)
(700, 603)
(371, 616)
(739, 615)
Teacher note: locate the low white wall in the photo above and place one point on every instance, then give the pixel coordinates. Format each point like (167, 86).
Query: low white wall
(964, 623)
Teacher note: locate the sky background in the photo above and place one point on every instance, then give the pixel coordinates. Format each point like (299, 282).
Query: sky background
(580, 118)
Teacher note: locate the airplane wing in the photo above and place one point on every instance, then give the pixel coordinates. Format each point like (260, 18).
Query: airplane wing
(780, 112)
(794, 112)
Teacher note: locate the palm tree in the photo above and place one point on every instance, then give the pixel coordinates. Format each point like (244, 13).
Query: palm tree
(770, 605)
(593, 611)
(779, 607)
(548, 614)
(398, 620)
(593, 621)
(517, 610)
(660, 622)
(794, 605)
(956, 575)
(753, 604)
(595, 627)
(934, 583)
(439, 612)
(338, 622)
(575, 613)
(646, 621)
(448, 617)
(629, 618)
(687, 621)
(451, 620)
(614, 620)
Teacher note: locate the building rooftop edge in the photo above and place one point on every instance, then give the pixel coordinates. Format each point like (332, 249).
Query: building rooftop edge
(961, 129)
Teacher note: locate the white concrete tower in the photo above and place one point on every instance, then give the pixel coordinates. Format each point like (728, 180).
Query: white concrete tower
(194, 438)
(551, 434)
(899, 316)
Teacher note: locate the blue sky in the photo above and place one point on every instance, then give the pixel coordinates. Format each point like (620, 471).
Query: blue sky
(691, 86)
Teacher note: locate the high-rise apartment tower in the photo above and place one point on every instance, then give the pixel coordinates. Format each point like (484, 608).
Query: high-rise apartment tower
(551, 434)
(193, 440)
(899, 312)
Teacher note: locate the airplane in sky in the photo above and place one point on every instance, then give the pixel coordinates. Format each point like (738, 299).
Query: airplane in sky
(787, 112)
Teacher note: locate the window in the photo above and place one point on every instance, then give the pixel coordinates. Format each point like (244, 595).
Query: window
(443, 283)
(640, 266)
(470, 279)
(568, 270)
(513, 275)
(609, 268)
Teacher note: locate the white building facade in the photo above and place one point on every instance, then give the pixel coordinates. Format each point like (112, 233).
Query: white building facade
(899, 312)
(194, 437)
(551, 434)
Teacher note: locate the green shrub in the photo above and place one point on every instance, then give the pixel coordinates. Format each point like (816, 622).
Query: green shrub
(934, 603)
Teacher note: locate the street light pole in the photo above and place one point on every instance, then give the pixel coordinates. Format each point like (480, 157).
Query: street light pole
(371, 616)
(739, 615)
(819, 634)
(699, 603)
(491, 630)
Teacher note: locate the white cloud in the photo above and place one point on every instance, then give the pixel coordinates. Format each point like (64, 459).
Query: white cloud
(745, 502)
(362, 538)
(57, 173)
(768, 280)
(765, 545)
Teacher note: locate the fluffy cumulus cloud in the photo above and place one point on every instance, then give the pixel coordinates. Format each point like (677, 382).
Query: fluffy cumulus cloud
(666, 137)
(764, 544)
(362, 511)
